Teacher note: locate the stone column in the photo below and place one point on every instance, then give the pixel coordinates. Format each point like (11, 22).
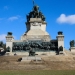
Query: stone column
(60, 38)
(9, 41)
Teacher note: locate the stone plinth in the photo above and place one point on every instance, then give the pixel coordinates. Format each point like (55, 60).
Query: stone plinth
(36, 29)
(72, 49)
(27, 53)
(35, 20)
(29, 58)
(36, 35)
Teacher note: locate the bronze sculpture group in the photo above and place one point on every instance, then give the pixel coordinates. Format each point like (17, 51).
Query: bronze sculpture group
(33, 47)
(35, 13)
(25, 46)
(72, 43)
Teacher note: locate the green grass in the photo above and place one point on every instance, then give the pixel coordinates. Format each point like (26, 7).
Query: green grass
(41, 72)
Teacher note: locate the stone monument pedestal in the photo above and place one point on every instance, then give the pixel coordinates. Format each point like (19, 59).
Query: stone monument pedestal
(30, 58)
(36, 30)
(72, 49)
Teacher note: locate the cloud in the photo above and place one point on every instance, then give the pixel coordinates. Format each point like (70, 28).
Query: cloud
(18, 17)
(6, 7)
(13, 18)
(2, 37)
(70, 19)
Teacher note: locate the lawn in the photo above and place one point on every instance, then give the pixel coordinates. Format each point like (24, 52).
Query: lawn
(41, 72)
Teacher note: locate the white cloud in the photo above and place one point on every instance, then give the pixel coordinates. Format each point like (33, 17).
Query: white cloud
(70, 19)
(2, 37)
(6, 7)
(13, 18)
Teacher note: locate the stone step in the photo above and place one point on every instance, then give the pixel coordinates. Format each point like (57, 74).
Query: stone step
(31, 58)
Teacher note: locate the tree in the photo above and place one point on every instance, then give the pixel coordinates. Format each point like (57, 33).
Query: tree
(1, 43)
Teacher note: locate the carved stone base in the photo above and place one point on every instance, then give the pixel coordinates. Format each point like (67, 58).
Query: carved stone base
(72, 49)
(36, 35)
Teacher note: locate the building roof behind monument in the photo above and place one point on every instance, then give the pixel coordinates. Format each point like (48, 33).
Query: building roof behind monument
(35, 13)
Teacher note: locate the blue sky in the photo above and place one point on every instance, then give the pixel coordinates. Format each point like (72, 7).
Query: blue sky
(60, 16)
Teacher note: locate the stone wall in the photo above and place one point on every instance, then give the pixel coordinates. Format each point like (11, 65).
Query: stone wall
(36, 37)
(27, 54)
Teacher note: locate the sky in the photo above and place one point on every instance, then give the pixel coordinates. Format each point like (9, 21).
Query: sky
(60, 16)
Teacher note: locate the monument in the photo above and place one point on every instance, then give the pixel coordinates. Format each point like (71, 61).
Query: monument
(36, 24)
(72, 46)
(36, 37)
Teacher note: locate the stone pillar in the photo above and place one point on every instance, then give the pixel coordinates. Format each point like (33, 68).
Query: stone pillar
(9, 41)
(60, 38)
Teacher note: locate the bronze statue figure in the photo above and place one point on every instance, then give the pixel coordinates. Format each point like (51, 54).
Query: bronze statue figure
(72, 43)
(9, 33)
(35, 13)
